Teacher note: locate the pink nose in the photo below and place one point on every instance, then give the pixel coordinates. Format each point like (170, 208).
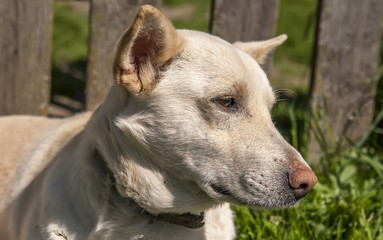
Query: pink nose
(301, 179)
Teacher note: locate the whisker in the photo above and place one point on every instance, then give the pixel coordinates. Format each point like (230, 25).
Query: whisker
(279, 93)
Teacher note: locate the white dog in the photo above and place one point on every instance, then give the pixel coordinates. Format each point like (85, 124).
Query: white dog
(185, 130)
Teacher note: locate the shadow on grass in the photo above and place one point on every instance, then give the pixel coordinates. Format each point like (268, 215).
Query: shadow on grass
(291, 112)
(69, 82)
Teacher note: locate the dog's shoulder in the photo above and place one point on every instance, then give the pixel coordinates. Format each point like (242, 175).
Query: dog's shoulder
(28, 143)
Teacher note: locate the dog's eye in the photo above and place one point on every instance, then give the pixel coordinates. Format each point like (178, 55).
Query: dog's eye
(226, 102)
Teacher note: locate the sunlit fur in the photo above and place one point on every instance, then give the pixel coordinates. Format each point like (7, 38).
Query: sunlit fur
(170, 148)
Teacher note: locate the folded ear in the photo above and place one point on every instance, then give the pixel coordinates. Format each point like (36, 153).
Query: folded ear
(143, 49)
(259, 50)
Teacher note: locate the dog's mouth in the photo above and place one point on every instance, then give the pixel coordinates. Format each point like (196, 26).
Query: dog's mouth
(220, 189)
(253, 197)
(226, 195)
(262, 189)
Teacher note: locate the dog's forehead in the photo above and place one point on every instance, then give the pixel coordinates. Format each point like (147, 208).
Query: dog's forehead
(223, 63)
(211, 52)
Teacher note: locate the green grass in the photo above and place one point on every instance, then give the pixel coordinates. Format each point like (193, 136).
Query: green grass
(70, 34)
(345, 204)
(297, 20)
(200, 17)
(291, 117)
(377, 136)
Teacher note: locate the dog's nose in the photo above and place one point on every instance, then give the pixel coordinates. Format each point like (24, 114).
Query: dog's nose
(301, 180)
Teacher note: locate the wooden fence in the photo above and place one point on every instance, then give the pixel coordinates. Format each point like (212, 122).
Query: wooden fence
(346, 53)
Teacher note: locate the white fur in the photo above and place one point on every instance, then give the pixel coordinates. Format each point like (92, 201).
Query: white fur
(173, 149)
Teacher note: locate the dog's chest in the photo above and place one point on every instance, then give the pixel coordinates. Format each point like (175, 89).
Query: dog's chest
(219, 225)
(156, 230)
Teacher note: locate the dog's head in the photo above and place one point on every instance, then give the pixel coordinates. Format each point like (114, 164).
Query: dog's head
(191, 122)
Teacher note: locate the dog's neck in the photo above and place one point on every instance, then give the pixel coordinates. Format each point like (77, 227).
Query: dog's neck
(116, 129)
(188, 220)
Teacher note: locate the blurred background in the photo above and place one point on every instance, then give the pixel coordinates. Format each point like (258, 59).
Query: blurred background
(289, 71)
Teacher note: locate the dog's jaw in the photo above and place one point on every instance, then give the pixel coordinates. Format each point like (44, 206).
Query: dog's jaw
(263, 186)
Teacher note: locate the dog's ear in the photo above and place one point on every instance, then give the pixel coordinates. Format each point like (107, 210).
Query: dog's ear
(259, 50)
(149, 43)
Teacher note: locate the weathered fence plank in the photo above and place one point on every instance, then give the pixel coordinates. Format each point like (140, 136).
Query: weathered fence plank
(244, 20)
(25, 45)
(348, 49)
(109, 18)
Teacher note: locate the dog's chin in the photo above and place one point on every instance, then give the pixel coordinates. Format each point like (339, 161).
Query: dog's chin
(284, 199)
